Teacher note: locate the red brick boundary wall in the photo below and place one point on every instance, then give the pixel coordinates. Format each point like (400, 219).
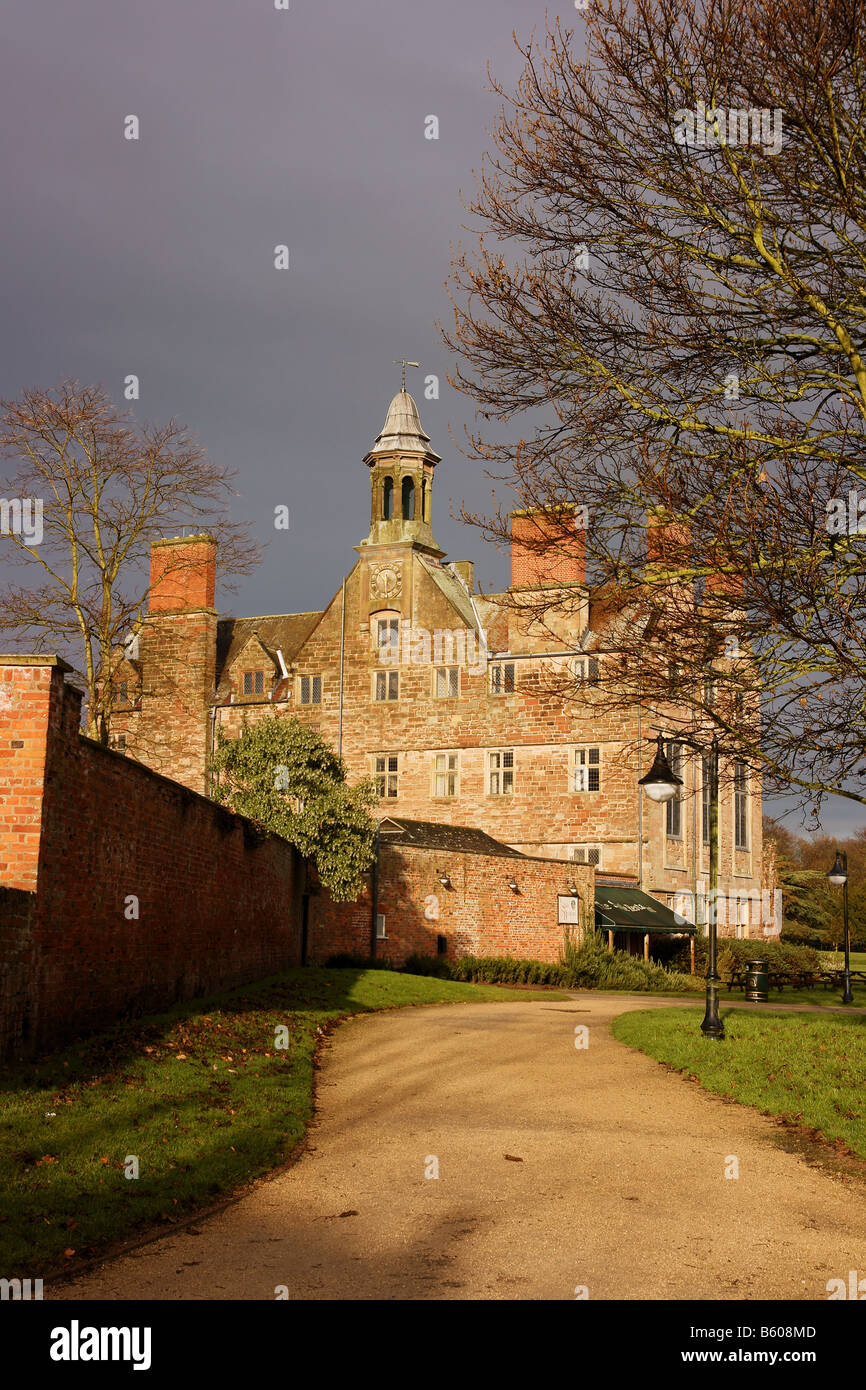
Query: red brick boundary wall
(478, 914)
(89, 838)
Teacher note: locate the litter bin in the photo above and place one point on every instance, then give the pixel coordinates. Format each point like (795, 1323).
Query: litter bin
(758, 982)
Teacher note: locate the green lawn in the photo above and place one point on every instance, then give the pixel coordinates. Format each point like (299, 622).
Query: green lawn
(819, 995)
(837, 959)
(201, 1096)
(802, 1067)
(829, 998)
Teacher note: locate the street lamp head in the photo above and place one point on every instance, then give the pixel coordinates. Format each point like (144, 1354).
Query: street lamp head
(838, 875)
(661, 782)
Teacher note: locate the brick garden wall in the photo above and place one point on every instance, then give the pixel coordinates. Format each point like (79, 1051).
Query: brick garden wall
(85, 831)
(478, 915)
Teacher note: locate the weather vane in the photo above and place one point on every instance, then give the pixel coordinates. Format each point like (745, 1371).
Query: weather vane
(402, 362)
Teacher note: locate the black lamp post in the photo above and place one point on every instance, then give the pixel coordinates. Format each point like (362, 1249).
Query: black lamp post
(838, 876)
(660, 784)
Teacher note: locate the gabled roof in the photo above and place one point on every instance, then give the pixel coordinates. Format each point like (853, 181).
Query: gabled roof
(286, 632)
(460, 839)
(453, 588)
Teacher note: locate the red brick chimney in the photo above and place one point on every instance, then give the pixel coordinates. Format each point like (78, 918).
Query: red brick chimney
(548, 546)
(725, 585)
(668, 541)
(182, 574)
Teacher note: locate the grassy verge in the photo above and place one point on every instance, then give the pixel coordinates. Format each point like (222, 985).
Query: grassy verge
(803, 1068)
(202, 1097)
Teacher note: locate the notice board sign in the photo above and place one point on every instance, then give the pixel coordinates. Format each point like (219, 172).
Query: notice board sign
(569, 909)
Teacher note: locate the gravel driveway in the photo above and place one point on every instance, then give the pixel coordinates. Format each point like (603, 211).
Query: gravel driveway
(558, 1168)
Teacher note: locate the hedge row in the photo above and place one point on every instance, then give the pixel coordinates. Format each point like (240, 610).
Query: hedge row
(735, 954)
(586, 965)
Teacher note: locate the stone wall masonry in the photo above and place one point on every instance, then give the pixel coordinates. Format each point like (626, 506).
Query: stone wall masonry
(544, 816)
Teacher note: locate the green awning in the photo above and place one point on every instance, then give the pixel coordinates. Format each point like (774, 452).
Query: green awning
(629, 909)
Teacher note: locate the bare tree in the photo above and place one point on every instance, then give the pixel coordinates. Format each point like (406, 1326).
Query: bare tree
(669, 285)
(93, 491)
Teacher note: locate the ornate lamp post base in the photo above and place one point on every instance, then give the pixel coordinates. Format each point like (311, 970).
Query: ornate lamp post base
(712, 1026)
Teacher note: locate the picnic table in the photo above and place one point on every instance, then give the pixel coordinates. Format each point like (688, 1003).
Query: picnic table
(738, 979)
(799, 979)
(837, 976)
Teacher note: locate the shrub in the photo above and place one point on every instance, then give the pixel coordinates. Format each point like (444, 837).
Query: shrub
(587, 965)
(503, 970)
(428, 965)
(345, 960)
(735, 954)
(797, 934)
(781, 955)
(284, 776)
(591, 965)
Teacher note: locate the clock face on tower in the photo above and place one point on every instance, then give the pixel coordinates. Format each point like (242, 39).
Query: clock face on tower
(386, 581)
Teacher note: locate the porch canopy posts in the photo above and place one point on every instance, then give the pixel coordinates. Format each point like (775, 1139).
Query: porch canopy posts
(631, 910)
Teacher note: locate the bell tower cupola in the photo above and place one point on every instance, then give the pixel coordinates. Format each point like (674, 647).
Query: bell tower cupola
(401, 464)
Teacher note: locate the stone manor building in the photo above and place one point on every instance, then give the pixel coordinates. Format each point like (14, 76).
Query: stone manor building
(443, 695)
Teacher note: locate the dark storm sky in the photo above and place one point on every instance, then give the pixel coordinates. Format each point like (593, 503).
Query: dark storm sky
(258, 127)
(155, 257)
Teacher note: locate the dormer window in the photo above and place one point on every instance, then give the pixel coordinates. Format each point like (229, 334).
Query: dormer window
(254, 682)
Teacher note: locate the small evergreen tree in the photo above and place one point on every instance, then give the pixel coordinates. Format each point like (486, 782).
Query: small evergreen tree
(283, 776)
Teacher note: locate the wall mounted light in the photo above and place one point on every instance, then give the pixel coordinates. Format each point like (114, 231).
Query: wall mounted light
(572, 888)
(513, 885)
(444, 879)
